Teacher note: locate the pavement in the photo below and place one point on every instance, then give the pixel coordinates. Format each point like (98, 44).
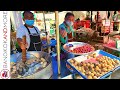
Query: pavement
(116, 75)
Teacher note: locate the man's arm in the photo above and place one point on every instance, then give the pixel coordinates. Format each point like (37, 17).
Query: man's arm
(19, 40)
(21, 44)
(63, 32)
(20, 33)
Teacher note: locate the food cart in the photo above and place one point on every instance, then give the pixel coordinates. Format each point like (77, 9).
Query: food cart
(41, 65)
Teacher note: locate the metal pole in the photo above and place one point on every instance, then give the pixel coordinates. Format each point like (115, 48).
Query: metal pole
(91, 20)
(44, 20)
(58, 40)
(45, 28)
(97, 21)
(91, 16)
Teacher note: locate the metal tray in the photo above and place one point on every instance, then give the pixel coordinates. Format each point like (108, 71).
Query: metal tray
(45, 73)
(72, 45)
(84, 57)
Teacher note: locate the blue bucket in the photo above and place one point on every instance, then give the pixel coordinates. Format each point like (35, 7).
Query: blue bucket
(53, 42)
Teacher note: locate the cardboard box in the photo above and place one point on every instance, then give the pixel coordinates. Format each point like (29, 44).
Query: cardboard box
(102, 39)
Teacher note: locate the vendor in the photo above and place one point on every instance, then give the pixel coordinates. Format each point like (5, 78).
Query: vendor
(66, 35)
(77, 24)
(98, 21)
(32, 33)
(98, 18)
(66, 30)
(117, 18)
(114, 15)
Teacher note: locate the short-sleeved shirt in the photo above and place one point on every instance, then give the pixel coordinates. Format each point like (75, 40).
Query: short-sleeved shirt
(65, 39)
(117, 17)
(22, 30)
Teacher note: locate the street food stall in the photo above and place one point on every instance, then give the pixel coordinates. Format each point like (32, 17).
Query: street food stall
(90, 65)
(84, 60)
(38, 64)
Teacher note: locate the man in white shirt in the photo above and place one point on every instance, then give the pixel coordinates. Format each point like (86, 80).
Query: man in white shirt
(33, 42)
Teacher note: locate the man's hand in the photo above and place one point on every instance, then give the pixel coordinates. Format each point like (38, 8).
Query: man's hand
(63, 33)
(24, 59)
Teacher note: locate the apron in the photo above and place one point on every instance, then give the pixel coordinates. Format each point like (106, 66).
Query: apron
(35, 42)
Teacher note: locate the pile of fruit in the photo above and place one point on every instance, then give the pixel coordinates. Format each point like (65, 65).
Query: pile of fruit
(111, 43)
(95, 70)
(82, 49)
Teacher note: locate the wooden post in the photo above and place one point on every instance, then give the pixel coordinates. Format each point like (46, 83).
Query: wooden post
(44, 20)
(58, 39)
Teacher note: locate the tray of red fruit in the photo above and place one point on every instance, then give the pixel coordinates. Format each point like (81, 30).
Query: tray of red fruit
(78, 48)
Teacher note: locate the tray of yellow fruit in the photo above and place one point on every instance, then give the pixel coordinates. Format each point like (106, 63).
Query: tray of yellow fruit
(96, 65)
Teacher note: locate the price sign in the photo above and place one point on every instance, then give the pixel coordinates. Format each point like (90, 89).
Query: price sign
(106, 22)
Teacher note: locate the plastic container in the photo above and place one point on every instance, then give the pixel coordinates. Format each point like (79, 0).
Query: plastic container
(13, 57)
(53, 42)
(82, 23)
(87, 24)
(52, 32)
(44, 43)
